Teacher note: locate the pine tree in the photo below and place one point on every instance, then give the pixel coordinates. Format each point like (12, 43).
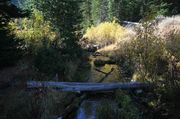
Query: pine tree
(66, 17)
(86, 14)
(104, 8)
(111, 9)
(95, 11)
(9, 46)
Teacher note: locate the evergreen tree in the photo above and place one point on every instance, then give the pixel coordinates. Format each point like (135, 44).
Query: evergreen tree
(104, 8)
(86, 14)
(9, 46)
(95, 11)
(111, 9)
(65, 16)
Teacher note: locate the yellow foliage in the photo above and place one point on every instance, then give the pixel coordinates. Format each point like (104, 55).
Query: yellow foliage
(32, 29)
(105, 33)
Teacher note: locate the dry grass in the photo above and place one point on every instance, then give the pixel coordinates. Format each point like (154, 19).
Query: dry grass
(127, 37)
(167, 26)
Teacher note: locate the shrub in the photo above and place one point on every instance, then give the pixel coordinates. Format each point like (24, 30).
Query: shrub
(123, 108)
(48, 61)
(127, 108)
(104, 33)
(151, 56)
(35, 105)
(105, 110)
(20, 105)
(173, 25)
(142, 53)
(42, 42)
(53, 62)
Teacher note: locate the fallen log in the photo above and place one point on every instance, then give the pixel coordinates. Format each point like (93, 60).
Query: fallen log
(100, 71)
(106, 75)
(78, 87)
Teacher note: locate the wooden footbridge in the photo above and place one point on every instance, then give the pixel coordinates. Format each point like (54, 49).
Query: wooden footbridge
(85, 87)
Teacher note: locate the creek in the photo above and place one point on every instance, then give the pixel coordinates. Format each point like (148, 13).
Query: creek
(87, 109)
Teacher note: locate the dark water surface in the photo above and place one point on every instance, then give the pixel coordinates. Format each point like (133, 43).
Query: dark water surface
(87, 110)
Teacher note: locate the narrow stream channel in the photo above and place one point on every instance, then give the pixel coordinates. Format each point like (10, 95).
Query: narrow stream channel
(87, 110)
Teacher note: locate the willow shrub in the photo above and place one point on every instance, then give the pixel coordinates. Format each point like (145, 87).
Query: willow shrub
(104, 33)
(150, 57)
(143, 53)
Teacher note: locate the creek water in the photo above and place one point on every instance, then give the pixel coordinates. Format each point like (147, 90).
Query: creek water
(87, 110)
(95, 76)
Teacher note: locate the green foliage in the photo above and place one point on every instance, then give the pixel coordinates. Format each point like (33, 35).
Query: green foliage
(127, 108)
(147, 50)
(123, 110)
(143, 53)
(48, 60)
(155, 10)
(105, 110)
(33, 30)
(95, 11)
(86, 14)
(10, 50)
(20, 105)
(50, 36)
(173, 44)
(65, 17)
(129, 10)
(35, 105)
(169, 101)
(127, 66)
(27, 4)
(150, 57)
(174, 7)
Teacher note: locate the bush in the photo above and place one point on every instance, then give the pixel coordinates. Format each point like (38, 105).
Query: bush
(54, 63)
(105, 110)
(48, 104)
(43, 43)
(20, 105)
(127, 108)
(149, 52)
(105, 33)
(48, 61)
(143, 53)
(123, 108)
